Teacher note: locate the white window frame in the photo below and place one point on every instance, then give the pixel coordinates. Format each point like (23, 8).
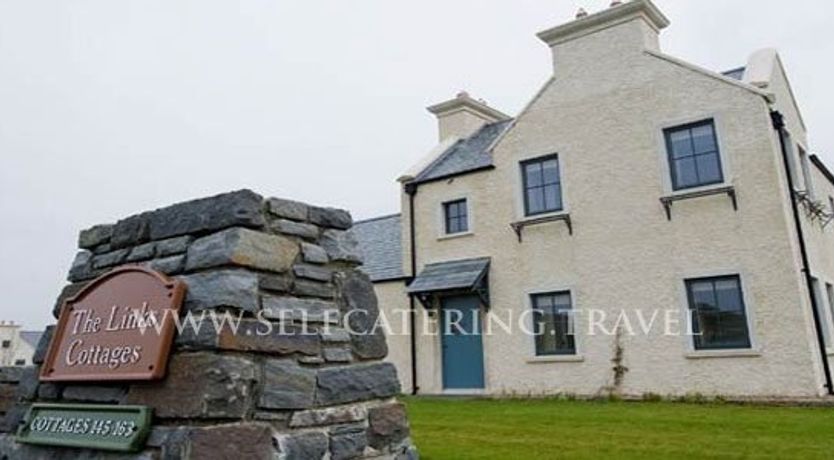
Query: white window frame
(821, 300)
(828, 291)
(805, 168)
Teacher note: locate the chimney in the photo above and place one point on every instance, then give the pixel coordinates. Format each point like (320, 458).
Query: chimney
(462, 116)
(623, 28)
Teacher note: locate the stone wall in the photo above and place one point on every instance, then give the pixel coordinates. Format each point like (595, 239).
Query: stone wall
(285, 394)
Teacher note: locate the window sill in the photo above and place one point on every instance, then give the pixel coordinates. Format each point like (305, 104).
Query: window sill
(562, 216)
(706, 354)
(556, 359)
(555, 215)
(700, 192)
(717, 188)
(452, 236)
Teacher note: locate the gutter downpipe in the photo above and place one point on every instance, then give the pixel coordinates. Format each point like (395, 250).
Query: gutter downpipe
(411, 190)
(779, 125)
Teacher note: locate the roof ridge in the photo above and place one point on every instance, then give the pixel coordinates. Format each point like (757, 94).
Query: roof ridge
(467, 259)
(382, 217)
(733, 70)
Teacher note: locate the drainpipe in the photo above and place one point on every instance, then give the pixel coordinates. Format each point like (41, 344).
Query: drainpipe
(779, 126)
(411, 190)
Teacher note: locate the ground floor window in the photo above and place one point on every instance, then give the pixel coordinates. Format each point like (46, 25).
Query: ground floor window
(552, 323)
(719, 319)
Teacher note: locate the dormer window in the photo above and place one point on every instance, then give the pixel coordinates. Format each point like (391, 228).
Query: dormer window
(542, 185)
(456, 217)
(694, 158)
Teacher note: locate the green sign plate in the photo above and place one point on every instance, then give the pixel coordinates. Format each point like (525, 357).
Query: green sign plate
(122, 428)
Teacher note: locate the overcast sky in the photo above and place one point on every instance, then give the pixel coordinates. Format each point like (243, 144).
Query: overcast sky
(111, 107)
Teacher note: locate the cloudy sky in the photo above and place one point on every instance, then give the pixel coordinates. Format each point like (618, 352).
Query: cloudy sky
(110, 107)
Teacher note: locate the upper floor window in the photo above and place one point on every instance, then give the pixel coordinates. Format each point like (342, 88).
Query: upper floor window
(20, 362)
(7, 344)
(542, 186)
(806, 172)
(456, 217)
(694, 159)
(719, 319)
(552, 319)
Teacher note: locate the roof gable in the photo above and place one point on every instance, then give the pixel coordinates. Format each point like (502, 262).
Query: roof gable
(31, 337)
(466, 155)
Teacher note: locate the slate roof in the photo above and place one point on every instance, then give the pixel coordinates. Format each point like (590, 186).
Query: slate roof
(381, 245)
(31, 337)
(465, 155)
(737, 74)
(456, 274)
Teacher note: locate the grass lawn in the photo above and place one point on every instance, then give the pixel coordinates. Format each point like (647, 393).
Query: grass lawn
(548, 429)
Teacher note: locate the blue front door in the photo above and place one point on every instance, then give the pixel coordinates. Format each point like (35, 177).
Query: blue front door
(463, 351)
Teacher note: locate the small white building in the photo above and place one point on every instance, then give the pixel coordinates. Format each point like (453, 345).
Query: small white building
(644, 224)
(17, 346)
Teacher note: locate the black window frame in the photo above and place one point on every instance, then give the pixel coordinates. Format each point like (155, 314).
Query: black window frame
(526, 186)
(670, 160)
(20, 362)
(460, 217)
(569, 337)
(697, 338)
(6, 344)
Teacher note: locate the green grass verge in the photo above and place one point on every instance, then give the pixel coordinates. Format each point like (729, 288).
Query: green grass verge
(552, 429)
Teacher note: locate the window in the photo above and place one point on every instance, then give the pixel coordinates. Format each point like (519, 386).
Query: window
(7, 344)
(806, 172)
(455, 215)
(694, 159)
(829, 290)
(20, 362)
(542, 186)
(793, 169)
(831, 204)
(719, 320)
(820, 306)
(552, 324)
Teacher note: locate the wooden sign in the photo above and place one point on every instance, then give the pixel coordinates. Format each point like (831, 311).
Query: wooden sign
(119, 327)
(122, 428)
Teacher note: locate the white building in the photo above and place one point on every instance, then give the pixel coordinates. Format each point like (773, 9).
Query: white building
(16, 346)
(633, 183)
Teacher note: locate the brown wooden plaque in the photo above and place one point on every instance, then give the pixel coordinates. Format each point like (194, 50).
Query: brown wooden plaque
(119, 327)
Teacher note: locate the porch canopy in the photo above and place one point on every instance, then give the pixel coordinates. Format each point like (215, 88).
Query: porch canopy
(450, 278)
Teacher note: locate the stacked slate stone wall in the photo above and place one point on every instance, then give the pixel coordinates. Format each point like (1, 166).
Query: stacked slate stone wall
(288, 394)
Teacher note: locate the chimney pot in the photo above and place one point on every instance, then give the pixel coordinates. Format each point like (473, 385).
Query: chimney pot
(581, 13)
(616, 3)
